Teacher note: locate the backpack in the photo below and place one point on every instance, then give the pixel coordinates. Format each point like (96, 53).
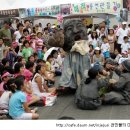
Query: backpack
(81, 99)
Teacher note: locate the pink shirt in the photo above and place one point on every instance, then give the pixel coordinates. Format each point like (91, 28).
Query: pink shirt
(39, 44)
(1, 86)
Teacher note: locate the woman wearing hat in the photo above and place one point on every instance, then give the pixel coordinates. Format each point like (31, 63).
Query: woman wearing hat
(5, 77)
(98, 57)
(120, 93)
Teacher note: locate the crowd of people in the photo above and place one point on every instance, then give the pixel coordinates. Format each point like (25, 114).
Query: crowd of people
(28, 71)
(21, 61)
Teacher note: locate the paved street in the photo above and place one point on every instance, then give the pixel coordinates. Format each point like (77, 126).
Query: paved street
(65, 107)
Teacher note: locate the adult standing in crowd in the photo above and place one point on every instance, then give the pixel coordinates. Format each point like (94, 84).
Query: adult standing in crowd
(49, 27)
(5, 33)
(111, 39)
(122, 31)
(104, 25)
(27, 25)
(46, 36)
(18, 34)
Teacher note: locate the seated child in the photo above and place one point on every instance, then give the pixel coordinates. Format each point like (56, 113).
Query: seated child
(4, 98)
(18, 107)
(39, 85)
(31, 98)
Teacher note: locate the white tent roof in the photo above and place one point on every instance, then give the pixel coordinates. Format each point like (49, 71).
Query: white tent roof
(58, 2)
(49, 52)
(16, 4)
(98, 15)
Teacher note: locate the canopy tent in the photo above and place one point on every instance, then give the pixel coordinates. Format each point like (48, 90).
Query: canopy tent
(96, 15)
(59, 2)
(49, 52)
(16, 4)
(40, 17)
(104, 15)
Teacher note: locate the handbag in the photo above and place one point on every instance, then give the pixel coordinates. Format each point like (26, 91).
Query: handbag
(49, 100)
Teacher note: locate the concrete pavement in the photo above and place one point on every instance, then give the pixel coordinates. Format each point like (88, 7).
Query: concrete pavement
(65, 107)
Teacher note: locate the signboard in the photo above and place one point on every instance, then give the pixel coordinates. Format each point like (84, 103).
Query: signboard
(87, 21)
(23, 13)
(9, 13)
(45, 11)
(84, 7)
(126, 4)
(102, 6)
(65, 9)
(55, 10)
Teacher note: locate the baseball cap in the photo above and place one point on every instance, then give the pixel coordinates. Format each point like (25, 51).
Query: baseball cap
(124, 22)
(53, 26)
(97, 48)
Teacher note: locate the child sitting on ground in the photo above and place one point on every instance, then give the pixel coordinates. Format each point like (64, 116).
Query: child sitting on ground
(4, 98)
(31, 98)
(18, 107)
(39, 85)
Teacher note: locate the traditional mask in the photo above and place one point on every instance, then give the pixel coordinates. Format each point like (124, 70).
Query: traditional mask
(72, 29)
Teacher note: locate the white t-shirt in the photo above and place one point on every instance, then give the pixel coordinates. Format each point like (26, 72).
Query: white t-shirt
(121, 33)
(105, 47)
(118, 57)
(93, 42)
(129, 40)
(122, 59)
(4, 100)
(18, 35)
(55, 64)
(128, 29)
(60, 60)
(98, 31)
(100, 38)
(124, 47)
(2, 48)
(129, 56)
(35, 87)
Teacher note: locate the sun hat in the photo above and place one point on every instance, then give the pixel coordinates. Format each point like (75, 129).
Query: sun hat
(53, 26)
(97, 49)
(124, 22)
